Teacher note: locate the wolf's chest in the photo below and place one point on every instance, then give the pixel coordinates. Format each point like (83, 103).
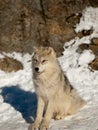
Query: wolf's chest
(43, 89)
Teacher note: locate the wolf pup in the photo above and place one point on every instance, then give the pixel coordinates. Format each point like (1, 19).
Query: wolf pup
(56, 96)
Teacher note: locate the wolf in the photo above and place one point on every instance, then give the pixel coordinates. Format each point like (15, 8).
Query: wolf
(56, 96)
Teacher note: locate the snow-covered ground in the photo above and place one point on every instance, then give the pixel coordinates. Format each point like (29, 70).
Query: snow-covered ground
(17, 97)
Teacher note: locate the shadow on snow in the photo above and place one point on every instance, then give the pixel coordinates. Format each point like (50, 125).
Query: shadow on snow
(23, 101)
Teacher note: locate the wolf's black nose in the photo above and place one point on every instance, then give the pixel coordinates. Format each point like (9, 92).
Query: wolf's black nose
(36, 69)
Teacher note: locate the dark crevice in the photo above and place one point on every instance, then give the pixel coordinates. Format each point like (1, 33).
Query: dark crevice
(43, 11)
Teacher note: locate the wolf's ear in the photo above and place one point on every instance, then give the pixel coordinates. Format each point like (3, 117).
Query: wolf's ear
(51, 51)
(34, 51)
(34, 48)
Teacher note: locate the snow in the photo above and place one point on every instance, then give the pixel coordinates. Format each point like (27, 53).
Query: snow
(17, 97)
(89, 20)
(22, 77)
(85, 58)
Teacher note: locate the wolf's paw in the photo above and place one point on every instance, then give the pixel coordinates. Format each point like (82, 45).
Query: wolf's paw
(44, 126)
(33, 126)
(58, 117)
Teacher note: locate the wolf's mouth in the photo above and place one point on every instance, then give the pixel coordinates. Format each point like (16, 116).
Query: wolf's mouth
(39, 72)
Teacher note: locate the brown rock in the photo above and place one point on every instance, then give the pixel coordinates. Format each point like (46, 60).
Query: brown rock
(8, 64)
(94, 64)
(94, 48)
(95, 41)
(85, 33)
(74, 19)
(82, 47)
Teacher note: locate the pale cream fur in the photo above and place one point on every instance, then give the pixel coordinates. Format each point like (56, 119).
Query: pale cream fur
(56, 97)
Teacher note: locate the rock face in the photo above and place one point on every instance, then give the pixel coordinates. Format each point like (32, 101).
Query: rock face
(28, 23)
(94, 64)
(25, 23)
(94, 3)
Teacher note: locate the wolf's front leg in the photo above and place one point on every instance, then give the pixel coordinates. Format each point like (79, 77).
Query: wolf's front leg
(40, 109)
(47, 117)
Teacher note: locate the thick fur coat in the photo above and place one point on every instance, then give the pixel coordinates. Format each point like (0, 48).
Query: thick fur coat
(56, 96)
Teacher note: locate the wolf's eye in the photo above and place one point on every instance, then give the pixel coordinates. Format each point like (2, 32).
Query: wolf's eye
(43, 61)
